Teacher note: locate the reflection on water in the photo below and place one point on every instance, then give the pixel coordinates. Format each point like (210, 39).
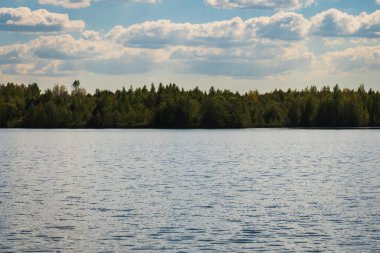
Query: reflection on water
(196, 190)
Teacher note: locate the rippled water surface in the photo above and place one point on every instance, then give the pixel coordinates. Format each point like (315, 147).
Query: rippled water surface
(194, 190)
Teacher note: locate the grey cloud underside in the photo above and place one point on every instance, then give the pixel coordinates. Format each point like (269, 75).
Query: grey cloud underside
(11, 57)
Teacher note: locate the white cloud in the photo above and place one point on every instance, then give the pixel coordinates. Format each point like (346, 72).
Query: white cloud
(336, 23)
(75, 4)
(358, 59)
(12, 54)
(62, 54)
(260, 4)
(332, 42)
(135, 1)
(237, 32)
(150, 34)
(255, 48)
(233, 32)
(264, 58)
(61, 47)
(282, 25)
(38, 68)
(349, 41)
(71, 4)
(161, 33)
(25, 20)
(91, 35)
(66, 47)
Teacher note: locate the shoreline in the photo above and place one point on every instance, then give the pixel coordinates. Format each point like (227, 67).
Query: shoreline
(246, 128)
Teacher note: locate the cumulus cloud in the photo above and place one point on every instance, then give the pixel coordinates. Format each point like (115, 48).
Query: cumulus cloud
(237, 32)
(60, 54)
(161, 33)
(336, 23)
(264, 58)
(25, 20)
(233, 32)
(11, 54)
(91, 35)
(346, 42)
(63, 54)
(66, 47)
(282, 25)
(38, 68)
(253, 48)
(356, 59)
(70, 4)
(134, 1)
(61, 47)
(260, 4)
(75, 4)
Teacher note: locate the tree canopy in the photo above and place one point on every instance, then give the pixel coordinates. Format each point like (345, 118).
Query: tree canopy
(171, 107)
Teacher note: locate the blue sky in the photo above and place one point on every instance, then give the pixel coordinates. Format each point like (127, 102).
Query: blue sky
(234, 44)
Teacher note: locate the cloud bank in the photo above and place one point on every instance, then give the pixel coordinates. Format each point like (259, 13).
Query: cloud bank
(336, 23)
(258, 48)
(233, 32)
(24, 19)
(260, 4)
(236, 32)
(75, 4)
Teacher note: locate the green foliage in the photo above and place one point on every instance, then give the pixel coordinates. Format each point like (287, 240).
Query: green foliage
(171, 107)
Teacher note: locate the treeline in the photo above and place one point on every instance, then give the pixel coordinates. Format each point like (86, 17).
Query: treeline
(172, 107)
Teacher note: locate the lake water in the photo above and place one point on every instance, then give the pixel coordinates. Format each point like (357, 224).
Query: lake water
(189, 190)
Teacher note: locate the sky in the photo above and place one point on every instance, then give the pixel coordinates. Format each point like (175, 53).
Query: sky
(238, 45)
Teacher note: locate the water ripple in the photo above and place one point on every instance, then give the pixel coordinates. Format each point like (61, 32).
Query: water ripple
(180, 191)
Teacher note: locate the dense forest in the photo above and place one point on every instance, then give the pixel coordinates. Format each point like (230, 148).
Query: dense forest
(171, 107)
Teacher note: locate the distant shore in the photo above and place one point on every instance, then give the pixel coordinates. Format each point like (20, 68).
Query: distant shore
(211, 129)
(169, 107)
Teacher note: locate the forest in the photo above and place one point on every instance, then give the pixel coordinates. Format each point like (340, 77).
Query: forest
(168, 106)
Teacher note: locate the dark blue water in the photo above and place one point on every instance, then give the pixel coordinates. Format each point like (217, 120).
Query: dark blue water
(196, 190)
